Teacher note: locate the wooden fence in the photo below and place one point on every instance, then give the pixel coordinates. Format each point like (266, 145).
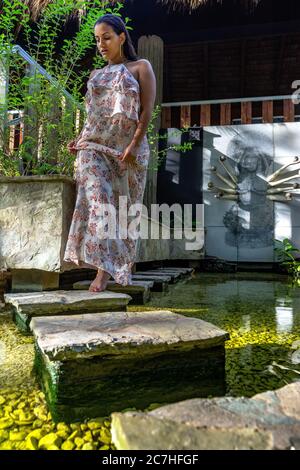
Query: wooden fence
(227, 112)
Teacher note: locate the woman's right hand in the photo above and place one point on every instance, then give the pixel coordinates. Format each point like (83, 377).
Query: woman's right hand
(71, 147)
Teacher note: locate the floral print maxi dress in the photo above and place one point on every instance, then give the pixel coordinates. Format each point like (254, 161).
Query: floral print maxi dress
(112, 105)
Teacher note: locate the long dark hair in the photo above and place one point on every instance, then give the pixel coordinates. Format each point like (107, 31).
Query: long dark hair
(119, 27)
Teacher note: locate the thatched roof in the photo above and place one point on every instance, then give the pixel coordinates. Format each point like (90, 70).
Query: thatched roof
(194, 4)
(36, 6)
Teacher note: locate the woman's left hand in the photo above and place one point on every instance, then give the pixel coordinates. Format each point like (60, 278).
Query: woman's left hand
(129, 155)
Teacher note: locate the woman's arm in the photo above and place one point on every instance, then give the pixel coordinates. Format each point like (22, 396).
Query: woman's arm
(147, 83)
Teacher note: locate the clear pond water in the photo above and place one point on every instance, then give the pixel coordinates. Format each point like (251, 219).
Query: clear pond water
(260, 311)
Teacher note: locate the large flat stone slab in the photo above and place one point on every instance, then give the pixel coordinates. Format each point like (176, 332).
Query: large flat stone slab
(138, 290)
(93, 364)
(269, 420)
(29, 305)
(122, 333)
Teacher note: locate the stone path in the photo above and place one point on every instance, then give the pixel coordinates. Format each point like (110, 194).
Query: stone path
(159, 279)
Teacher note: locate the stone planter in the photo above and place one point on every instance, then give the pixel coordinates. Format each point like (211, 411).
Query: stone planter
(35, 216)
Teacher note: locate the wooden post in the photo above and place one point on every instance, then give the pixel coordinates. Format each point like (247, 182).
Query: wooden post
(225, 114)
(205, 117)
(166, 117)
(246, 112)
(152, 49)
(267, 111)
(288, 111)
(185, 116)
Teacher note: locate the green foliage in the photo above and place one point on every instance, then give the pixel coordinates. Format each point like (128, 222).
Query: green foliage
(159, 156)
(48, 116)
(285, 253)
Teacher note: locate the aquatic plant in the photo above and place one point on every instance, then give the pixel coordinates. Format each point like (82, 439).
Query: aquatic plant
(285, 253)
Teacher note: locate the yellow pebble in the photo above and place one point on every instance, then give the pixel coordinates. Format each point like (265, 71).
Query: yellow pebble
(21, 445)
(36, 433)
(104, 447)
(49, 440)
(75, 426)
(87, 446)
(63, 434)
(63, 427)
(3, 436)
(7, 409)
(22, 405)
(88, 436)
(7, 445)
(31, 443)
(78, 441)
(74, 434)
(37, 423)
(6, 423)
(105, 436)
(68, 445)
(96, 423)
(17, 436)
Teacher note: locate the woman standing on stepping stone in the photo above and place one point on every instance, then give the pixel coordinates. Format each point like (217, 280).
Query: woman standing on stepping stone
(112, 158)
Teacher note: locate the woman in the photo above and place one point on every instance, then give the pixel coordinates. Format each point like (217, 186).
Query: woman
(112, 155)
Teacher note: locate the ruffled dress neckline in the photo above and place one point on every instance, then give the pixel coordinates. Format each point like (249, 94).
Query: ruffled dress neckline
(111, 66)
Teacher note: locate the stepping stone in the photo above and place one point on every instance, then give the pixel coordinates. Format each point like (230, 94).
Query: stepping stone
(269, 420)
(139, 290)
(182, 271)
(90, 365)
(160, 283)
(173, 277)
(33, 304)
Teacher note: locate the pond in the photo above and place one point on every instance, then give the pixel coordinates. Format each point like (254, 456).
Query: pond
(261, 312)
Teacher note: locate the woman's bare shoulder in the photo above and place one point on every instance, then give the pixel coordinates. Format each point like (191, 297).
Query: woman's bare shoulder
(143, 67)
(144, 63)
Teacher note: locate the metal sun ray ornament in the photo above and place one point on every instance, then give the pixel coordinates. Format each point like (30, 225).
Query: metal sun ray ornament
(281, 185)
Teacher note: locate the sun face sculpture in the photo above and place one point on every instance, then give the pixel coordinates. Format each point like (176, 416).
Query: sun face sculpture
(250, 220)
(279, 186)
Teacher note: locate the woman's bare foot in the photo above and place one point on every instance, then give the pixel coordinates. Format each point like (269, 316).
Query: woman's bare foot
(100, 282)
